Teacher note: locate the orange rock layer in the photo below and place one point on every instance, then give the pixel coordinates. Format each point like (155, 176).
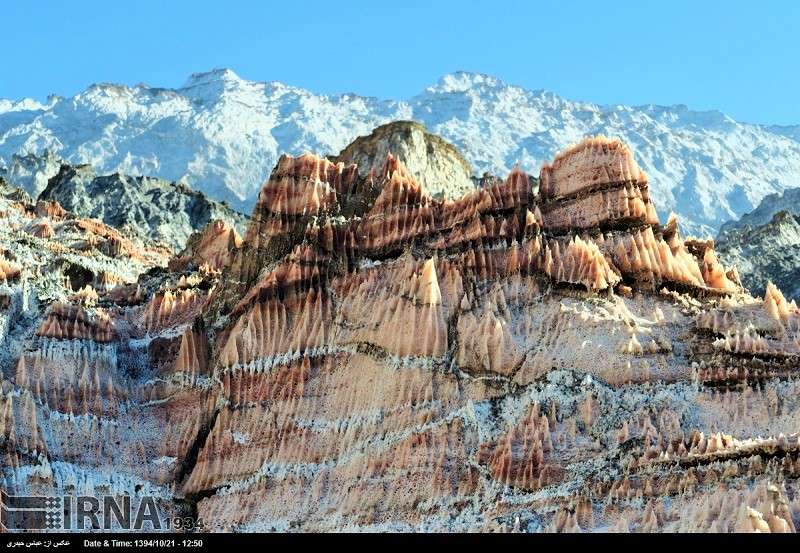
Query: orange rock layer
(369, 357)
(593, 163)
(8, 271)
(74, 322)
(211, 246)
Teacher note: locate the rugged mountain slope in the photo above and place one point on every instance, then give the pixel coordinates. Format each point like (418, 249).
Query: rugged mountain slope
(103, 386)
(766, 210)
(12, 193)
(167, 212)
(371, 358)
(765, 252)
(48, 255)
(32, 171)
(222, 135)
(426, 156)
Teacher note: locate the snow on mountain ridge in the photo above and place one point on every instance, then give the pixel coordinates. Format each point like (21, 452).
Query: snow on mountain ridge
(26, 104)
(215, 75)
(461, 81)
(222, 134)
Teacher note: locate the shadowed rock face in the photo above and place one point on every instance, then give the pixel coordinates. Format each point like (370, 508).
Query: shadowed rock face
(13, 193)
(766, 250)
(370, 357)
(166, 212)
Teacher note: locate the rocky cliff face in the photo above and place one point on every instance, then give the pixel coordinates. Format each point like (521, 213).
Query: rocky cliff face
(52, 261)
(31, 171)
(14, 194)
(369, 357)
(166, 212)
(426, 157)
(102, 362)
(766, 251)
(766, 210)
(223, 135)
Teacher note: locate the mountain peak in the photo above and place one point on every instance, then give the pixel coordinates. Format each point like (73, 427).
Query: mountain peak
(221, 134)
(426, 156)
(219, 75)
(461, 81)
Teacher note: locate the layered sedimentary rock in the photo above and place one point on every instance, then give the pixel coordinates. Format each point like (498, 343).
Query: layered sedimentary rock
(591, 165)
(104, 388)
(211, 247)
(378, 363)
(370, 357)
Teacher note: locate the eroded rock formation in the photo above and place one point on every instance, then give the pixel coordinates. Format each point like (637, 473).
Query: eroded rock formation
(372, 357)
(427, 157)
(211, 247)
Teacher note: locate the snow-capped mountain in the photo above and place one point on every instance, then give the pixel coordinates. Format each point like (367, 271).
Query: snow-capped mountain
(222, 135)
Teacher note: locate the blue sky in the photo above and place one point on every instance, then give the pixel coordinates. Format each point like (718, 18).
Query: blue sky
(739, 57)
